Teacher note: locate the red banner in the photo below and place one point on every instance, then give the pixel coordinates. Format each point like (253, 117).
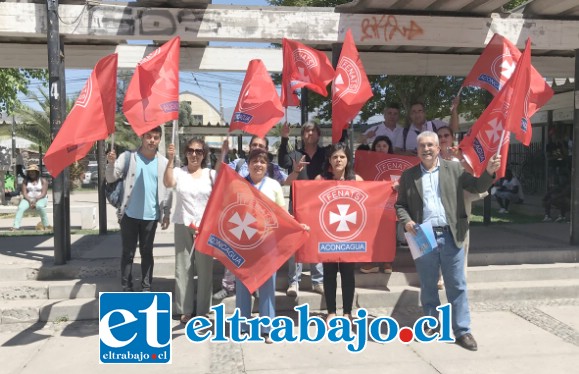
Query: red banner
(249, 233)
(497, 64)
(303, 67)
(350, 88)
(258, 108)
(152, 97)
(348, 221)
(92, 118)
(379, 166)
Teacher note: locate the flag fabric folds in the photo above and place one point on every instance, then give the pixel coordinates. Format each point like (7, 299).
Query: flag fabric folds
(348, 221)
(378, 166)
(508, 112)
(303, 67)
(92, 118)
(258, 108)
(350, 88)
(152, 97)
(249, 233)
(496, 65)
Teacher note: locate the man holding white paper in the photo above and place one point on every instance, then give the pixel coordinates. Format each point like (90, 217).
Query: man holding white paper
(433, 192)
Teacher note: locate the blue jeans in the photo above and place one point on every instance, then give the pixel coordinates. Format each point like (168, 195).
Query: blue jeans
(295, 272)
(450, 260)
(266, 302)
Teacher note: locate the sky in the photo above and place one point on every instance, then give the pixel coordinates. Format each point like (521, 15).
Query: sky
(201, 83)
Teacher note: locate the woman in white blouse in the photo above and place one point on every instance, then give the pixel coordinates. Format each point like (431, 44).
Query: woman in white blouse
(193, 184)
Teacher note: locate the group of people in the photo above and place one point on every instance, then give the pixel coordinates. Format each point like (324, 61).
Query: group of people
(149, 181)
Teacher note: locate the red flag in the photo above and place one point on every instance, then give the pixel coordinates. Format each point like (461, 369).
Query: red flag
(152, 97)
(507, 112)
(496, 65)
(379, 166)
(350, 89)
(303, 67)
(348, 221)
(258, 108)
(249, 233)
(92, 118)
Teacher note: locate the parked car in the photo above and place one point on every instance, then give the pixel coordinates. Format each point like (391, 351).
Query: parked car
(91, 168)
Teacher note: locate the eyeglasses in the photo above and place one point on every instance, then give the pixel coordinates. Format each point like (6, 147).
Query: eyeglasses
(190, 151)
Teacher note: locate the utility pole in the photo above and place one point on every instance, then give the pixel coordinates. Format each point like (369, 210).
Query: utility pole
(56, 115)
(221, 114)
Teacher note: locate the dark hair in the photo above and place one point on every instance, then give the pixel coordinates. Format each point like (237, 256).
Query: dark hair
(392, 105)
(327, 166)
(205, 150)
(417, 102)
(445, 128)
(311, 125)
(382, 138)
(258, 153)
(363, 147)
(259, 137)
(157, 129)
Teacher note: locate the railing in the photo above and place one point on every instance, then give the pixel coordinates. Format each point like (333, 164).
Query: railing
(528, 164)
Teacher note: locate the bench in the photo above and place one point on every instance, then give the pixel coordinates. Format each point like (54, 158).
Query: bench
(87, 213)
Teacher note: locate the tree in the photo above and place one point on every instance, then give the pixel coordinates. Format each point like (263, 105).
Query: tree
(14, 81)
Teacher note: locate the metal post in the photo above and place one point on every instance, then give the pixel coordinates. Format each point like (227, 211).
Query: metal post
(102, 162)
(13, 158)
(574, 173)
(304, 105)
(66, 182)
(54, 81)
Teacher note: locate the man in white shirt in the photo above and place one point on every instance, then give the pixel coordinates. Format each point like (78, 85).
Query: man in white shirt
(387, 128)
(405, 142)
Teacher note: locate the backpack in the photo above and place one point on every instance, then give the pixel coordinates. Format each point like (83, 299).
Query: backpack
(114, 191)
(405, 134)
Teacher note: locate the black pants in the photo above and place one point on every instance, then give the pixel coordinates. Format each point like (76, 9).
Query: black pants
(133, 231)
(346, 270)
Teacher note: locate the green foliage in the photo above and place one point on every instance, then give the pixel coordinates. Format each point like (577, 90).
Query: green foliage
(185, 111)
(14, 81)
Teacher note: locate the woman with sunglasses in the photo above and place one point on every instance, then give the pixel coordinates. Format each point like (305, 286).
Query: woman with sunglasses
(193, 184)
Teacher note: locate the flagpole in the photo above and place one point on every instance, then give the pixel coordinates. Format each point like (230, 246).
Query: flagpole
(112, 141)
(457, 95)
(175, 141)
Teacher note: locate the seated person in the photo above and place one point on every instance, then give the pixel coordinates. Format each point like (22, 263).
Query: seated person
(509, 190)
(560, 197)
(34, 195)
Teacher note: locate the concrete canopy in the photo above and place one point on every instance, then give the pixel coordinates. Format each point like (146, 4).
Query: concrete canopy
(429, 37)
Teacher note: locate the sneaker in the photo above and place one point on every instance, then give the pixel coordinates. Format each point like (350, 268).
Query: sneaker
(318, 288)
(267, 339)
(388, 268)
(547, 219)
(560, 219)
(502, 211)
(185, 318)
(369, 268)
(222, 294)
(292, 290)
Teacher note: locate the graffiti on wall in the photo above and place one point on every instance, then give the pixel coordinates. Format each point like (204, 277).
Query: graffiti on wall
(387, 27)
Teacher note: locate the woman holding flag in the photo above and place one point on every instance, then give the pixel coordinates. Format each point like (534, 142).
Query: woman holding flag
(258, 162)
(193, 184)
(339, 166)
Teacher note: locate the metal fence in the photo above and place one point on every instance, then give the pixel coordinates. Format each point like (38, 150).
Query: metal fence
(528, 164)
